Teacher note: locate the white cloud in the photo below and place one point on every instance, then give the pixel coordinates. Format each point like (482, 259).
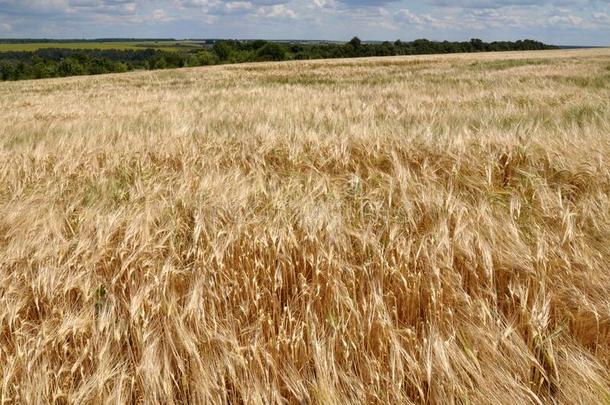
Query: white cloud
(603, 19)
(406, 16)
(239, 5)
(324, 3)
(277, 11)
(568, 21)
(161, 15)
(563, 21)
(5, 27)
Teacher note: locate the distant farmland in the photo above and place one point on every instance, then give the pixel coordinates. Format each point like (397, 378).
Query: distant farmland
(398, 230)
(161, 45)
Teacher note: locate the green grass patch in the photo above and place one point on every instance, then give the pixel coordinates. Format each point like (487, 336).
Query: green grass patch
(583, 115)
(113, 190)
(591, 82)
(300, 80)
(509, 64)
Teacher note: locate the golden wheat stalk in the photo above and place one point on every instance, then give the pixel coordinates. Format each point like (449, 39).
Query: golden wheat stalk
(390, 230)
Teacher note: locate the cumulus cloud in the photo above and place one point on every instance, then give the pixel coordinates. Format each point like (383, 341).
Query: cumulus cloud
(368, 3)
(103, 6)
(332, 19)
(276, 11)
(161, 16)
(406, 16)
(325, 3)
(486, 4)
(239, 5)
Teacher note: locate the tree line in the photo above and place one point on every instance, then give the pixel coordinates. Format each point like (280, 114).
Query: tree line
(60, 62)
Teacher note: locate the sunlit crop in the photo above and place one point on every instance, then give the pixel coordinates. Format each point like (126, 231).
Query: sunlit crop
(389, 230)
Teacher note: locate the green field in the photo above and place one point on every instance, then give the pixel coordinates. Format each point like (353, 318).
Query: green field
(163, 45)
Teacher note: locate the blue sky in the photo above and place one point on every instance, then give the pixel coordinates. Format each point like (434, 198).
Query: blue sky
(575, 22)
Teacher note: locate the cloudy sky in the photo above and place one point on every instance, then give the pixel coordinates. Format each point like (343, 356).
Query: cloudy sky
(565, 22)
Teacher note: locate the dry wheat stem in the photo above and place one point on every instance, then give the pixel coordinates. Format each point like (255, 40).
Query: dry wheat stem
(390, 230)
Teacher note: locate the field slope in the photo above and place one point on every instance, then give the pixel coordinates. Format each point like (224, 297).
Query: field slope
(428, 229)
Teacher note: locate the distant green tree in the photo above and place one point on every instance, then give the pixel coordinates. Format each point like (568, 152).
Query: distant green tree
(207, 58)
(272, 51)
(223, 50)
(241, 56)
(254, 45)
(54, 62)
(386, 49)
(45, 69)
(159, 63)
(7, 71)
(192, 61)
(121, 67)
(70, 67)
(355, 42)
(423, 46)
(477, 45)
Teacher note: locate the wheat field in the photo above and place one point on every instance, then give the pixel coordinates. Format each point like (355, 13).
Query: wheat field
(430, 229)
